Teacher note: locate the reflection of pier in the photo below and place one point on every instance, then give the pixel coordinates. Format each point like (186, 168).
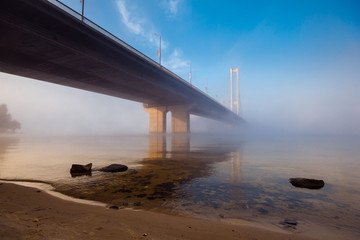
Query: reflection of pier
(157, 146)
(180, 145)
(177, 147)
(235, 167)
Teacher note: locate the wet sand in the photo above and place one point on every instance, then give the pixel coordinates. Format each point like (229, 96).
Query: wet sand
(28, 213)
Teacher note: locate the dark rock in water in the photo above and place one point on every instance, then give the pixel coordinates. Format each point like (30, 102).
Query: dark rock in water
(290, 222)
(81, 174)
(77, 168)
(114, 168)
(307, 183)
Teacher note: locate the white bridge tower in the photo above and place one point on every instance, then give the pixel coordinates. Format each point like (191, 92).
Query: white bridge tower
(234, 100)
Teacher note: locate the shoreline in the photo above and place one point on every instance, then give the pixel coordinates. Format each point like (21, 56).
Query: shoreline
(29, 213)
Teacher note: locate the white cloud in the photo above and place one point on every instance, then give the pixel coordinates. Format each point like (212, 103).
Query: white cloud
(128, 20)
(138, 25)
(145, 29)
(175, 62)
(174, 6)
(171, 7)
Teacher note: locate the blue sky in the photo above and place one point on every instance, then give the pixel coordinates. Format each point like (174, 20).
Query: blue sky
(299, 62)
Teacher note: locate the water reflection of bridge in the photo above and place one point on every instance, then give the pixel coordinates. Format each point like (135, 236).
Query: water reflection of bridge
(235, 167)
(180, 147)
(158, 146)
(204, 172)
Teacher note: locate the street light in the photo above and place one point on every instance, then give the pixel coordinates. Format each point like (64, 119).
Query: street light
(189, 72)
(82, 10)
(206, 88)
(159, 50)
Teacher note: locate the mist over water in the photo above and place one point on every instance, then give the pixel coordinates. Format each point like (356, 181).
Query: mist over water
(48, 109)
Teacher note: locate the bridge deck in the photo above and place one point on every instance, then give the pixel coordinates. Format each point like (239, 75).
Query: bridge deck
(40, 40)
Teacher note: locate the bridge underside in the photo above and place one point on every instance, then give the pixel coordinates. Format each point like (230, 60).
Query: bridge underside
(42, 41)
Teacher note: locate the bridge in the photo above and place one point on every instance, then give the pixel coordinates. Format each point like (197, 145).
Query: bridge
(48, 41)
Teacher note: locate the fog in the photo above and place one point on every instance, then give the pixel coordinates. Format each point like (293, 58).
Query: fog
(45, 108)
(49, 109)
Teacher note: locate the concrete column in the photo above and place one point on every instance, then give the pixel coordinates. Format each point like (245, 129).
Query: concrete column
(180, 118)
(157, 119)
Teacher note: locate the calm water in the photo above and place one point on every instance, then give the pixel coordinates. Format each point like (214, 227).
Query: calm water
(211, 176)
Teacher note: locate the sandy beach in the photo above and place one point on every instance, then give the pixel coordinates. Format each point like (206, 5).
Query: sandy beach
(29, 213)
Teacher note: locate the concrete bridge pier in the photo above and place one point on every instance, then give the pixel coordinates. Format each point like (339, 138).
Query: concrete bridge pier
(157, 119)
(180, 118)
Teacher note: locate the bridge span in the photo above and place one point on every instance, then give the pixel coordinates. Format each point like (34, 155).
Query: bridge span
(47, 41)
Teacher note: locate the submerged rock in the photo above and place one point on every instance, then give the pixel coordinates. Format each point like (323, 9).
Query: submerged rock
(81, 174)
(289, 223)
(78, 168)
(307, 183)
(114, 207)
(114, 168)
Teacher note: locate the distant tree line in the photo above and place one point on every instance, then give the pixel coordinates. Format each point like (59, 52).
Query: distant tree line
(7, 124)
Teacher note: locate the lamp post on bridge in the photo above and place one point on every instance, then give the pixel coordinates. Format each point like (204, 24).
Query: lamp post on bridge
(189, 63)
(206, 88)
(159, 50)
(82, 10)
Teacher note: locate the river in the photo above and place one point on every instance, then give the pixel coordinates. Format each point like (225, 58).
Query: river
(212, 176)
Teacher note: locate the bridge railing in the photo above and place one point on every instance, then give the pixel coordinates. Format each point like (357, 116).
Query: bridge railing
(93, 25)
